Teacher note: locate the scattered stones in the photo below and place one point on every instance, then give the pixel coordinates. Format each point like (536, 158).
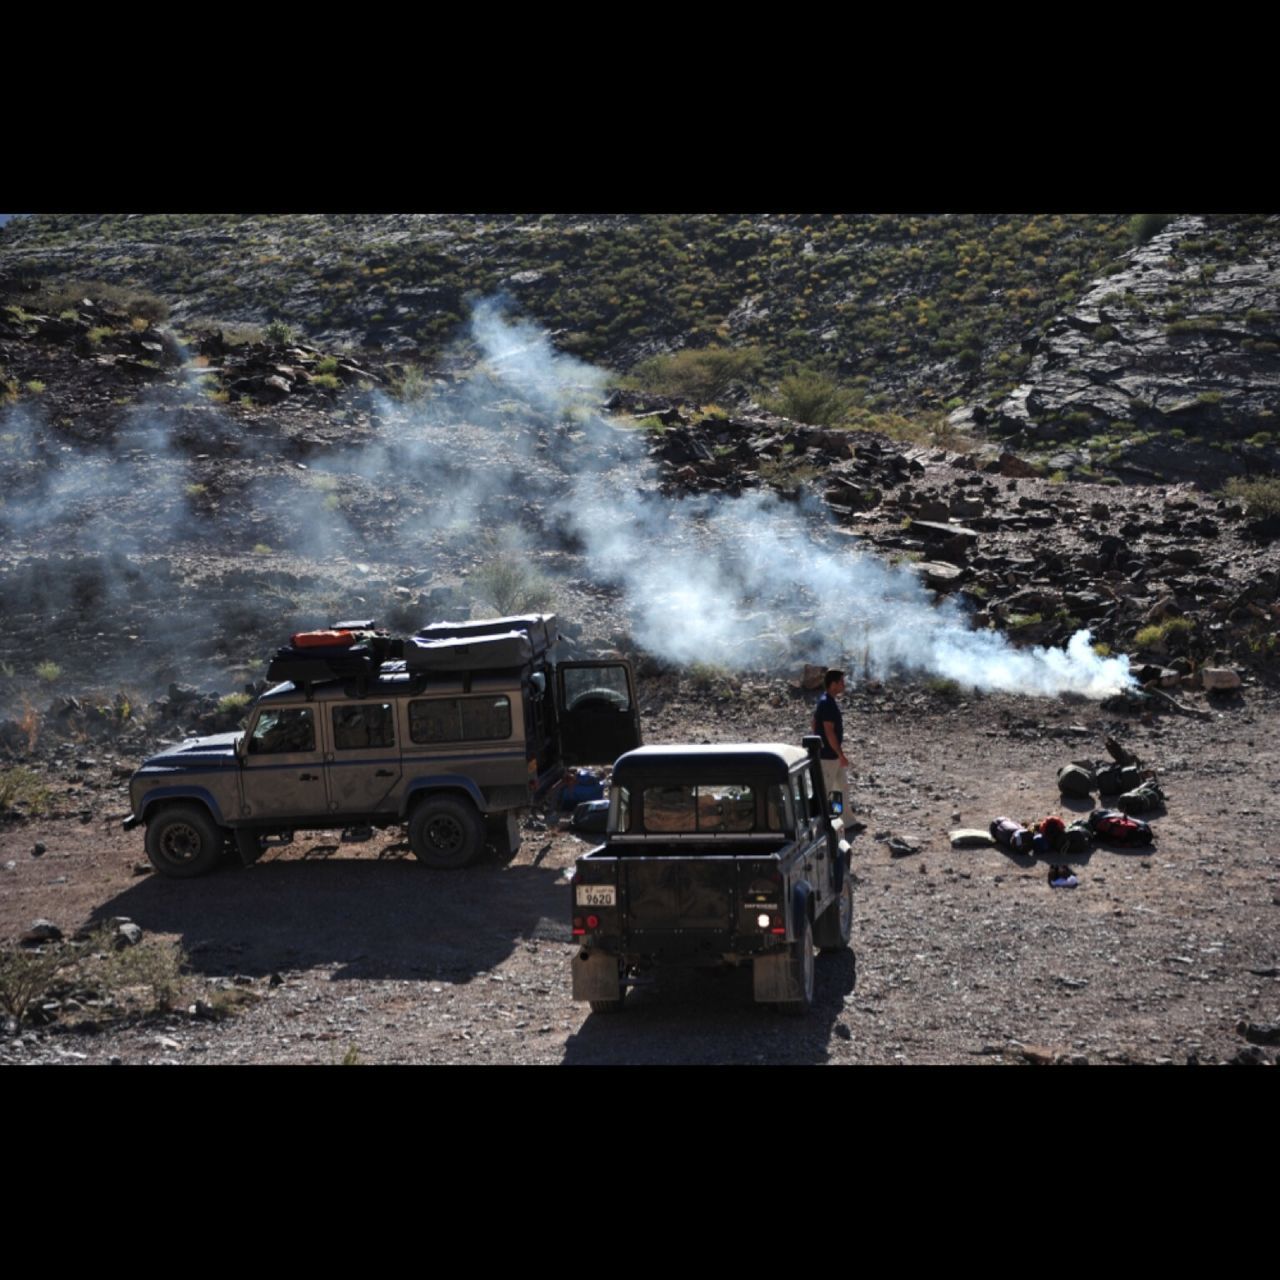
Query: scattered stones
(1220, 678)
(41, 931)
(1037, 1055)
(1251, 1056)
(1259, 1032)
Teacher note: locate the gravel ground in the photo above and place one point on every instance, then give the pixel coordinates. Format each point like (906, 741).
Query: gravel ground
(331, 952)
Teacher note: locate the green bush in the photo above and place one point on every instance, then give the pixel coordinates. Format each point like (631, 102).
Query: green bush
(48, 671)
(512, 586)
(27, 974)
(413, 385)
(1158, 632)
(22, 786)
(814, 397)
(1142, 226)
(702, 375)
(279, 334)
(1260, 495)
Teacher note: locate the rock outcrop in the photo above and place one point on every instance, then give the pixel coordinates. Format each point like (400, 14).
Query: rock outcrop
(1168, 368)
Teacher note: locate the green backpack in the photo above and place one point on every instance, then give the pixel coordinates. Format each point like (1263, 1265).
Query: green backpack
(1076, 780)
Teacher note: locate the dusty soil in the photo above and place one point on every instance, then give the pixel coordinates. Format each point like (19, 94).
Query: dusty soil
(962, 956)
(138, 552)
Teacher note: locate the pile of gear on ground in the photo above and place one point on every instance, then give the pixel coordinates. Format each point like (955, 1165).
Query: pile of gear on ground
(1135, 789)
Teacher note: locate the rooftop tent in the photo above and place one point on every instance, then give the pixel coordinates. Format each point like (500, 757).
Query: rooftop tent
(539, 628)
(468, 653)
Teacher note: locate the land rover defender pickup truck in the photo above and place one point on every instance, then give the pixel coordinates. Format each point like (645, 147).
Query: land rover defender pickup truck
(713, 855)
(452, 739)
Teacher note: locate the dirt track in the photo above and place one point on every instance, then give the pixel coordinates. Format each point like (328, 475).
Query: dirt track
(962, 955)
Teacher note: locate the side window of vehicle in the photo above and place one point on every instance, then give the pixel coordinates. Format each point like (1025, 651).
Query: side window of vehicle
(278, 732)
(357, 728)
(485, 718)
(479, 719)
(620, 815)
(775, 809)
(802, 805)
(434, 720)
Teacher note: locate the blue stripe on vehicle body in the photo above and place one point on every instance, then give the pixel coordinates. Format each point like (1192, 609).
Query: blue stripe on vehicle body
(212, 765)
(424, 758)
(186, 793)
(443, 782)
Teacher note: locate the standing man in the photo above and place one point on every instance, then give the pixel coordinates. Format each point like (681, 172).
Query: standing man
(828, 724)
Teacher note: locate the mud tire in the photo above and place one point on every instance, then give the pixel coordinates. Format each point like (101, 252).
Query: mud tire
(183, 841)
(835, 925)
(445, 833)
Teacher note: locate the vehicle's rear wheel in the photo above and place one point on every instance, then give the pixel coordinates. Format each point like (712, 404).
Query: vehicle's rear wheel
(183, 841)
(446, 833)
(802, 971)
(835, 924)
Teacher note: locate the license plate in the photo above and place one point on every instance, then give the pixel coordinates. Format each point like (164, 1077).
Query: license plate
(597, 895)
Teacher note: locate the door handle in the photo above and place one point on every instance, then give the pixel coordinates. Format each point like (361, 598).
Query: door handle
(308, 777)
(384, 773)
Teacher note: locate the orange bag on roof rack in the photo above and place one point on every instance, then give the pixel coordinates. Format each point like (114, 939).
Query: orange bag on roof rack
(322, 639)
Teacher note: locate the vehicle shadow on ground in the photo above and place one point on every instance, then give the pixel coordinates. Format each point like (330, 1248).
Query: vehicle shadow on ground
(709, 1016)
(373, 919)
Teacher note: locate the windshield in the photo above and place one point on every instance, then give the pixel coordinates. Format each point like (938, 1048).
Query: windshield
(704, 808)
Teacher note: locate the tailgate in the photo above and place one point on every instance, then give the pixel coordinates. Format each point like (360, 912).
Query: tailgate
(663, 894)
(637, 903)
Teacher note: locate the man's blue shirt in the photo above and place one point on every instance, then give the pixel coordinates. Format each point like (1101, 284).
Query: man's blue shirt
(828, 709)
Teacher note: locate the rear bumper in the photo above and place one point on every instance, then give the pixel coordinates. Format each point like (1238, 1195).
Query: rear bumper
(684, 946)
(130, 822)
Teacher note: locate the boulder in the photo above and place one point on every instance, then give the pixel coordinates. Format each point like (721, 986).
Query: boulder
(1220, 678)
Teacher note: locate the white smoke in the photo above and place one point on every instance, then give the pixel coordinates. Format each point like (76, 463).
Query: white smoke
(748, 582)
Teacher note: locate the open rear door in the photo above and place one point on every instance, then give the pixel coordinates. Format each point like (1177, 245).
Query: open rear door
(597, 711)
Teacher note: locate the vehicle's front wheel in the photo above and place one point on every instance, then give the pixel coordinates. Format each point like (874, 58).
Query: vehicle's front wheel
(183, 841)
(802, 971)
(446, 833)
(835, 924)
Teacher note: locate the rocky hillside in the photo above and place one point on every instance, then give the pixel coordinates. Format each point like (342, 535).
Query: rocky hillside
(908, 310)
(1166, 368)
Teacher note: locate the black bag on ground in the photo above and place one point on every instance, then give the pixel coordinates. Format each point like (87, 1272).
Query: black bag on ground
(590, 815)
(1079, 837)
(1116, 778)
(1144, 799)
(1114, 827)
(1076, 780)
